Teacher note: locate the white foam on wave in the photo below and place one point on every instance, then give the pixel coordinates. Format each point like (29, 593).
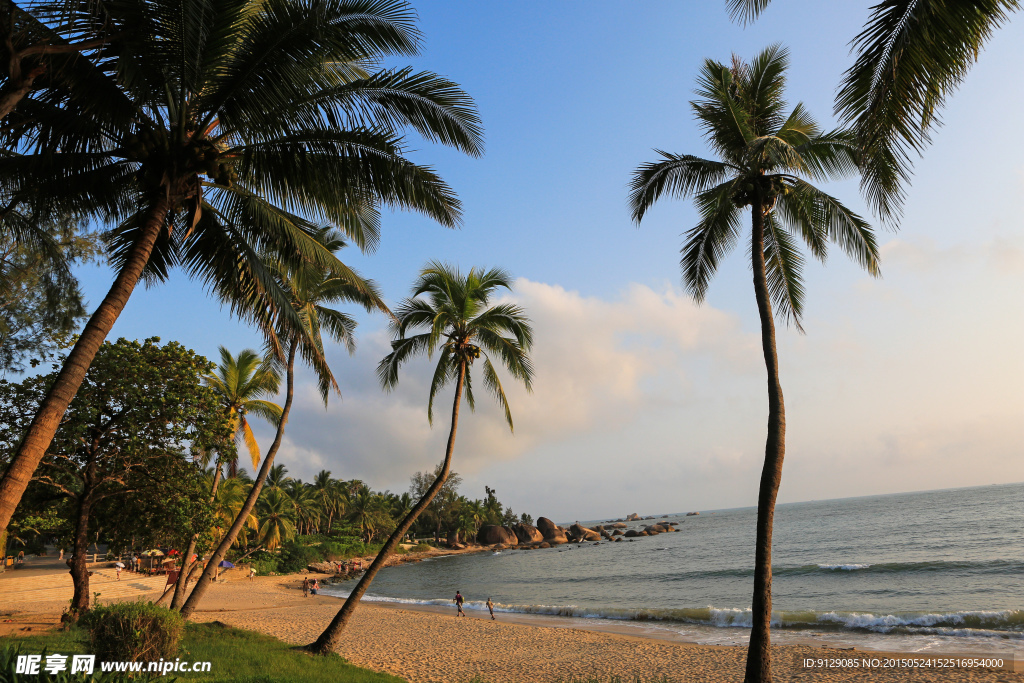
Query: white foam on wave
(926, 621)
(843, 567)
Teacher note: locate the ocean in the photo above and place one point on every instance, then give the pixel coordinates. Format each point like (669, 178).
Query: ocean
(935, 571)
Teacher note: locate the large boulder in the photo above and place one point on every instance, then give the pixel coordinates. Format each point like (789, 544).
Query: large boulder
(617, 532)
(552, 533)
(582, 533)
(633, 518)
(490, 534)
(618, 525)
(545, 526)
(527, 533)
(633, 533)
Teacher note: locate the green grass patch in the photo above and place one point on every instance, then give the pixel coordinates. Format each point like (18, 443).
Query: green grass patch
(248, 657)
(237, 656)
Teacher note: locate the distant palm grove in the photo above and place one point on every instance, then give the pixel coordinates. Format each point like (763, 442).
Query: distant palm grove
(170, 138)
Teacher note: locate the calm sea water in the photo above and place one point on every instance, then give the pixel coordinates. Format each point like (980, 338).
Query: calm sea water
(939, 570)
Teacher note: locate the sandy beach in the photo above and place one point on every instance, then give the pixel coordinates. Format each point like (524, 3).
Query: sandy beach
(425, 646)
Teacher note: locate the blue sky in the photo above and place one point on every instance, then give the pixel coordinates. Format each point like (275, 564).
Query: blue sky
(645, 402)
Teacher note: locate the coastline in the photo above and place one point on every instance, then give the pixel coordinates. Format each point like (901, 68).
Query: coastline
(424, 645)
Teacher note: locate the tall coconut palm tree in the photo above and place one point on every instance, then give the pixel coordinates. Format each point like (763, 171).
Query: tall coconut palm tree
(241, 383)
(765, 155)
(311, 289)
(461, 327)
(910, 57)
(222, 142)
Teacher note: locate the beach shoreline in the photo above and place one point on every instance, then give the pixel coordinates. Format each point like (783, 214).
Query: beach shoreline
(423, 644)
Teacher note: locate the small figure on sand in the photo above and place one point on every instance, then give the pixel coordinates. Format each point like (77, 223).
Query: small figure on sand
(490, 608)
(252, 573)
(315, 587)
(305, 587)
(458, 603)
(118, 573)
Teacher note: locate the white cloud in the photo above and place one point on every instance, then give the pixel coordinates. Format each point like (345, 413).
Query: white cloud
(648, 403)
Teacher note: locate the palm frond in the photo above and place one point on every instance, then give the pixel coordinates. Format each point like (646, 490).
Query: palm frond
(911, 56)
(677, 176)
(711, 239)
(783, 271)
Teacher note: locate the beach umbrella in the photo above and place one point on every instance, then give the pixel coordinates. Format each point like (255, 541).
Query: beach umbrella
(226, 564)
(156, 552)
(119, 564)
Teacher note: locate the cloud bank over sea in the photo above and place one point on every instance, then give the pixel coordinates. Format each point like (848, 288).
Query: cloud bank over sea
(646, 401)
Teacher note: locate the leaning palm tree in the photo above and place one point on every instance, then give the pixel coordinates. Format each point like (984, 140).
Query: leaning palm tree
(461, 327)
(765, 156)
(219, 143)
(910, 57)
(241, 383)
(310, 289)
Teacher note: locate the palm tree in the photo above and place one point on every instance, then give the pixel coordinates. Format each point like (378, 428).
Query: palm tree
(310, 289)
(306, 504)
(765, 155)
(277, 519)
(277, 478)
(240, 383)
(228, 502)
(911, 56)
(219, 143)
(365, 511)
(461, 327)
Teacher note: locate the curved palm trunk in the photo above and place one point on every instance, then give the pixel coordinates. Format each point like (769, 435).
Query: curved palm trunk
(186, 562)
(328, 640)
(44, 425)
(759, 662)
(210, 572)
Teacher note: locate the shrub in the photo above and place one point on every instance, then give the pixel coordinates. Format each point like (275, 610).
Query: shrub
(267, 565)
(134, 631)
(295, 557)
(422, 548)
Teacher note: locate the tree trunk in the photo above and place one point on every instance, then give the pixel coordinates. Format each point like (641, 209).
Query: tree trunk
(77, 562)
(328, 640)
(16, 91)
(759, 662)
(44, 425)
(210, 572)
(186, 561)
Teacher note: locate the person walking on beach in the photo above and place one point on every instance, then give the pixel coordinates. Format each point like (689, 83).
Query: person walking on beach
(118, 573)
(490, 608)
(305, 587)
(315, 587)
(458, 603)
(252, 573)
